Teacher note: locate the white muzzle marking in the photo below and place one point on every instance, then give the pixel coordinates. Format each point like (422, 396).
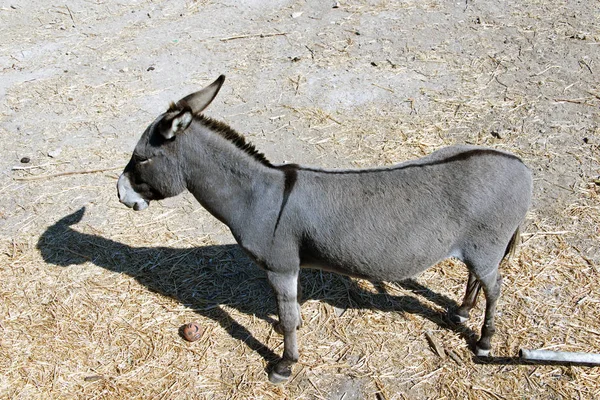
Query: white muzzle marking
(130, 197)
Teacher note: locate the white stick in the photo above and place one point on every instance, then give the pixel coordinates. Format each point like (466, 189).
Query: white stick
(560, 356)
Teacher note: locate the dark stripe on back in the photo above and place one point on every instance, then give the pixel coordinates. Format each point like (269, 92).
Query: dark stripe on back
(457, 157)
(290, 172)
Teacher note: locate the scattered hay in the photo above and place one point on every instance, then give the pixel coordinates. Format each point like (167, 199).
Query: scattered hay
(91, 302)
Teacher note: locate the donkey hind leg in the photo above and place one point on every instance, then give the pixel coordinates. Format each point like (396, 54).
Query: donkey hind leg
(286, 287)
(461, 314)
(491, 283)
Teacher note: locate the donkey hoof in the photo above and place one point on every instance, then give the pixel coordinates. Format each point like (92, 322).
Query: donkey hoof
(280, 375)
(482, 352)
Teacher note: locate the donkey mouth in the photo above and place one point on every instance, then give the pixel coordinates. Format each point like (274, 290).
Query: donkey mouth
(137, 205)
(140, 205)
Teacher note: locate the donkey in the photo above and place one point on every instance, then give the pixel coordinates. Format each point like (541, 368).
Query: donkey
(384, 224)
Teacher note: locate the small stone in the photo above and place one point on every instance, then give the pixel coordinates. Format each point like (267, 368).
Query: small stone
(192, 331)
(339, 311)
(55, 153)
(25, 160)
(297, 14)
(151, 68)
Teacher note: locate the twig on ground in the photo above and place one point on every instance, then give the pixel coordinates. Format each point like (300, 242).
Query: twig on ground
(20, 168)
(575, 101)
(70, 14)
(89, 171)
(546, 70)
(384, 88)
(542, 233)
(255, 35)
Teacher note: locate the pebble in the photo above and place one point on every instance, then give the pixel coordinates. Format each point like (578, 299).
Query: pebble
(192, 331)
(55, 153)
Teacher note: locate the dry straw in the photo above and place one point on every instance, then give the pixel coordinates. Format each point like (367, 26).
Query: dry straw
(91, 301)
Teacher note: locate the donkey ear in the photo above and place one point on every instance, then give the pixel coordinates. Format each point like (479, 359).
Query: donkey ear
(200, 100)
(178, 124)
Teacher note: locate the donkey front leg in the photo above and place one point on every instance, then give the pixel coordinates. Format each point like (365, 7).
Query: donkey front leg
(285, 285)
(277, 326)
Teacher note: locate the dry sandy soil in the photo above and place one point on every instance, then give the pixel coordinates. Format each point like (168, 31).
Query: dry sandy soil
(92, 294)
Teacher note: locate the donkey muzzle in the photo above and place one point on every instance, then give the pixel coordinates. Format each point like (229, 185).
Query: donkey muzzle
(128, 196)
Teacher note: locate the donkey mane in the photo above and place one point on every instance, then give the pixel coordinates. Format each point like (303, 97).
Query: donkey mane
(226, 132)
(234, 137)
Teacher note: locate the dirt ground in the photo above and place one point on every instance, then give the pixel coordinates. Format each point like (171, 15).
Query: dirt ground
(92, 294)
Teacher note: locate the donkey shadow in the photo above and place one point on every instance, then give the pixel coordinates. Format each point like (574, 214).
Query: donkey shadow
(208, 277)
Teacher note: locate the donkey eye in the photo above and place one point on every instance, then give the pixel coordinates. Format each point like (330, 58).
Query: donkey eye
(140, 159)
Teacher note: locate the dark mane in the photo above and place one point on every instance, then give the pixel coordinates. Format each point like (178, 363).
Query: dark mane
(224, 130)
(231, 135)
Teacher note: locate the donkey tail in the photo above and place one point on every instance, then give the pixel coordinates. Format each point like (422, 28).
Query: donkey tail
(512, 245)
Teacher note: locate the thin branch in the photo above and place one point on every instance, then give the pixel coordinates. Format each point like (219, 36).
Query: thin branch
(259, 35)
(89, 171)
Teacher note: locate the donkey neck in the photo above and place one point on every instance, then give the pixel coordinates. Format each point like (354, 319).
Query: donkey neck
(230, 179)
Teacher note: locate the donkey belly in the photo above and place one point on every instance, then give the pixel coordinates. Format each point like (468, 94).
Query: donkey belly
(377, 263)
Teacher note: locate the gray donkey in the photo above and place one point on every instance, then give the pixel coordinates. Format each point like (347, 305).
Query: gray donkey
(385, 224)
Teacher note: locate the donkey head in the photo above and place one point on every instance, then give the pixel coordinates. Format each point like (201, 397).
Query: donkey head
(154, 171)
